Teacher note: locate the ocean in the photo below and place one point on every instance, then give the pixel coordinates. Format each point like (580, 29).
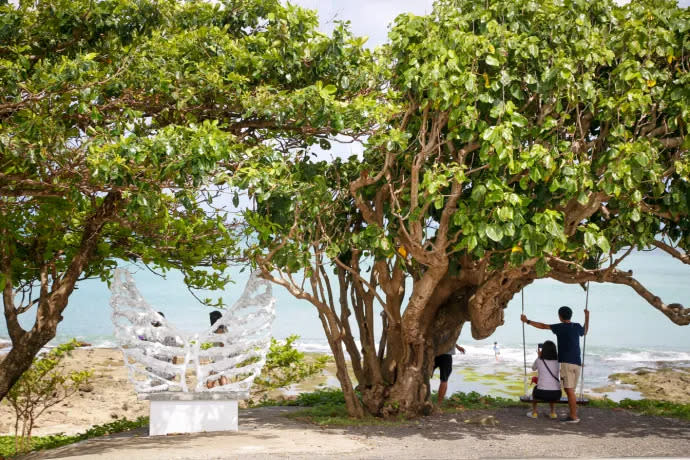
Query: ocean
(625, 331)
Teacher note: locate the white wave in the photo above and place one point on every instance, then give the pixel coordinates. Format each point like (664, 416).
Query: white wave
(103, 343)
(313, 347)
(646, 356)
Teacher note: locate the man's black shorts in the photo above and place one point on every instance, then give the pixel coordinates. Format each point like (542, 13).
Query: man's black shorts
(445, 364)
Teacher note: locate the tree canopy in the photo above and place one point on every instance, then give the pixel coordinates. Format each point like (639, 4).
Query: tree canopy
(523, 140)
(121, 122)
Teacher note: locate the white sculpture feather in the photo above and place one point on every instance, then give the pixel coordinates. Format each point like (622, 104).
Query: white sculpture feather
(234, 347)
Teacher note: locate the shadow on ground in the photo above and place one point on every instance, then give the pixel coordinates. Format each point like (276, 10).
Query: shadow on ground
(266, 431)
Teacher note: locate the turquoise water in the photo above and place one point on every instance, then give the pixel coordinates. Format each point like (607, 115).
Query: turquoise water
(625, 331)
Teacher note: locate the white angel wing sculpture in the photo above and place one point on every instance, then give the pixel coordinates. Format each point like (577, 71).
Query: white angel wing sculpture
(224, 358)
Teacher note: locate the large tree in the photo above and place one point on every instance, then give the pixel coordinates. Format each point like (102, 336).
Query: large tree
(523, 140)
(122, 120)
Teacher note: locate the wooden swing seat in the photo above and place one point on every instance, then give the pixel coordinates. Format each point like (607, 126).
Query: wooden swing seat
(563, 400)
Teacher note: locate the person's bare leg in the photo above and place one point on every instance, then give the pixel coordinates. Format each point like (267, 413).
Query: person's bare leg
(443, 386)
(552, 406)
(534, 407)
(572, 402)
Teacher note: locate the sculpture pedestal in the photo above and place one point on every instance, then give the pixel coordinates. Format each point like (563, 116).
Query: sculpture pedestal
(178, 412)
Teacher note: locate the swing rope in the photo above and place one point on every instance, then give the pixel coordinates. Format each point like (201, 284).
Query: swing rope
(584, 349)
(524, 347)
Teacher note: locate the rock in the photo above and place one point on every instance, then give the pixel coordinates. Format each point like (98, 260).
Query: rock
(114, 415)
(483, 420)
(453, 420)
(125, 406)
(86, 387)
(83, 344)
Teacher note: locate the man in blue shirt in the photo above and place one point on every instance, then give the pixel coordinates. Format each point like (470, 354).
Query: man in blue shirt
(568, 336)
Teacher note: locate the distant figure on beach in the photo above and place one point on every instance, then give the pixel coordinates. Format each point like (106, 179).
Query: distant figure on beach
(497, 351)
(568, 336)
(444, 362)
(548, 387)
(214, 316)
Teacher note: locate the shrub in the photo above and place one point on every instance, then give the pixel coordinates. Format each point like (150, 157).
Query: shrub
(42, 386)
(285, 365)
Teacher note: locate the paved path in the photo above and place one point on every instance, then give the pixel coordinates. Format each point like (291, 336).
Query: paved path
(266, 433)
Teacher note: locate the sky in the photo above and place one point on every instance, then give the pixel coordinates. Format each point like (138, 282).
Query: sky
(369, 18)
(372, 17)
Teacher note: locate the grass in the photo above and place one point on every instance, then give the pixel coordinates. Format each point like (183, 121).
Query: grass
(59, 440)
(327, 407)
(467, 401)
(646, 407)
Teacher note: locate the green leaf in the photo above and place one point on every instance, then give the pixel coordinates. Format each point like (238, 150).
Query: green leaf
(471, 242)
(635, 215)
(603, 244)
(542, 267)
(478, 192)
(494, 232)
(505, 213)
(492, 61)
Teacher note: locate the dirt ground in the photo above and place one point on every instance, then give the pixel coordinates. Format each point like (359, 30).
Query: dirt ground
(267, 433)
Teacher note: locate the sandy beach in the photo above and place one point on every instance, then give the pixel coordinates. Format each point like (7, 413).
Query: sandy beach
(108, 396)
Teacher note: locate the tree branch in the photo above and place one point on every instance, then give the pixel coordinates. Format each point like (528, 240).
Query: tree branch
(685, 258)
(674, 311)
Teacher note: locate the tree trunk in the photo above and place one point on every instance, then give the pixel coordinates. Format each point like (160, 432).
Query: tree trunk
(334, 337)
(409, 395)
(20, 357)
(408, 366)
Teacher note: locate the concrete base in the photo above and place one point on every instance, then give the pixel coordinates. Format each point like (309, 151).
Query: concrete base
(187, 414)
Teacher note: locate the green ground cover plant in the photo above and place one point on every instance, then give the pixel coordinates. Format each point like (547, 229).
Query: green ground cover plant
(646, 407)
(473, 400)
(326, 407)
(7, 443)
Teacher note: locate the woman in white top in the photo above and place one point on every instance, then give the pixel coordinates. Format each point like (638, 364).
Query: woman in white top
(548, 387)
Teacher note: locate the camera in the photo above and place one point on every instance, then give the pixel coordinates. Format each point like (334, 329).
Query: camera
(540, 346)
